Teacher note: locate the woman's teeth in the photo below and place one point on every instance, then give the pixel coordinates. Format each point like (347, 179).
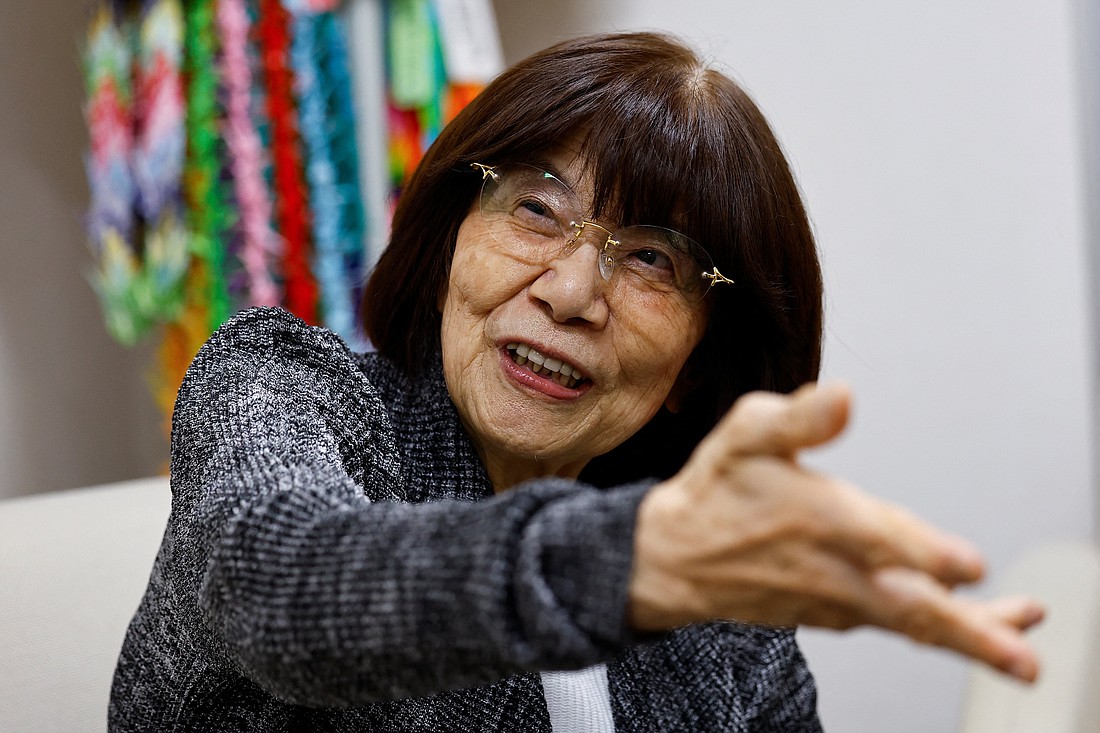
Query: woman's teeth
(553, 369)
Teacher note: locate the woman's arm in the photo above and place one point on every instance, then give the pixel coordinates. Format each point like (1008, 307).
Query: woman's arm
(327, 598)
(745, 532)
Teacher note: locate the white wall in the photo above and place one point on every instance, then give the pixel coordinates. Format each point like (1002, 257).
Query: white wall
(940, 150)
(74, 408)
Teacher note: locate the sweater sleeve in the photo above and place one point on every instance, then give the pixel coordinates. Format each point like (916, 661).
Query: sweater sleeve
(327, 598)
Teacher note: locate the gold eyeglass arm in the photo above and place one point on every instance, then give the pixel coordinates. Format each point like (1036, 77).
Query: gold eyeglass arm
(485, 170)
(716, 277)
(578, 230)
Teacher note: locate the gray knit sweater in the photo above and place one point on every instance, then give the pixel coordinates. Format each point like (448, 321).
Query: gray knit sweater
(336, 560)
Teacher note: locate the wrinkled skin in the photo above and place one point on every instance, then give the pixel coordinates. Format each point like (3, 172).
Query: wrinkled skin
(631, 347)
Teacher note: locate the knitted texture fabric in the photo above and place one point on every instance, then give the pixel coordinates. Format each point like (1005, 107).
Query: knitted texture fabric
(336, 560)
(578, 701)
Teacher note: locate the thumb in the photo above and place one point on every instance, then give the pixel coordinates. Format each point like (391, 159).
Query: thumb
(770, 423)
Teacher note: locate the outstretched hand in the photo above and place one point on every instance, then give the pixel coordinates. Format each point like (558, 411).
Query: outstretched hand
(745, 532)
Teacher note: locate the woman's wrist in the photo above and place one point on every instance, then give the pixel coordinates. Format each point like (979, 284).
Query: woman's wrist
(660, 597)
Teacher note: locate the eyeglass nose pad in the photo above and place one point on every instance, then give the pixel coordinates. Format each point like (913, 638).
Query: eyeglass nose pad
(573, 240)
(605, 258)
(607, 262)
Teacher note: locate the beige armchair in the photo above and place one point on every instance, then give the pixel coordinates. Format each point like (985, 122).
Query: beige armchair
(1066, 577)
(74, 565)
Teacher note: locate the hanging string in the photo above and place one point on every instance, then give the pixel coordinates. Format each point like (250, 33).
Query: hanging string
(421, 99)
(158, 160)
(311, 61)
(343, 141)
(110, 222)
(211, 179)
(412, 84)
(258, 245)
(159, 109)
(208, 215)
(328, 266)
(291, 199)
(206, 303)
(135, 118)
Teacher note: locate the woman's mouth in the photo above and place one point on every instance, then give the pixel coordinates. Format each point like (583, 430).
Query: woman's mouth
(555, 370)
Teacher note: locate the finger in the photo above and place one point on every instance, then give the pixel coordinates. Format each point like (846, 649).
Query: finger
(1018, 611)
(917, 606)
(771, 423)
(867, 531)
(883, 534)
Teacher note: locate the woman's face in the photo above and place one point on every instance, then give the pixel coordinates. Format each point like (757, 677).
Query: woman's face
(626, 345)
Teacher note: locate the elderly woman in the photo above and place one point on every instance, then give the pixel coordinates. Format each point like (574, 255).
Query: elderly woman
(600, 256)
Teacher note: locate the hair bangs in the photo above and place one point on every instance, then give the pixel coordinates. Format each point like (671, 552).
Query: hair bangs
(633, 103)
(661, 153)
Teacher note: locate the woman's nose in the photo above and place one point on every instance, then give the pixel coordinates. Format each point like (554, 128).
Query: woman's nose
(572, 288)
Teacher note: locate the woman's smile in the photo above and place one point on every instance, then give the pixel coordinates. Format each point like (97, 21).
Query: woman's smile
(541, 362)
(548, 364)
(539, 370)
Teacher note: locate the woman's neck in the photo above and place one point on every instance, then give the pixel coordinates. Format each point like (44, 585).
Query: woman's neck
(506, 470)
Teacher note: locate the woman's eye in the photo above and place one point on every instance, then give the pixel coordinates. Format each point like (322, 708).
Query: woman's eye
(534, 207)
(654, 258)
(536, 216)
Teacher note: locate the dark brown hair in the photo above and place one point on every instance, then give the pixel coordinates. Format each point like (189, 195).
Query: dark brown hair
(669, 142)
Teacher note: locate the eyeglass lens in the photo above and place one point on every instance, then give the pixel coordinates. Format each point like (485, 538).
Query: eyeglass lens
(538, 216)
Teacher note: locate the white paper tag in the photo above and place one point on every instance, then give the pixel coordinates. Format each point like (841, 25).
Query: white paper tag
(471, 44)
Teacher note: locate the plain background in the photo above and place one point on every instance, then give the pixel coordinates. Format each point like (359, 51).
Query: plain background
(943, 150)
